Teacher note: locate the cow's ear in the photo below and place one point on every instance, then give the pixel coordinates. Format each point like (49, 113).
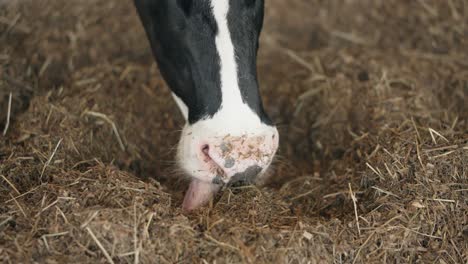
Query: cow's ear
(186, 6)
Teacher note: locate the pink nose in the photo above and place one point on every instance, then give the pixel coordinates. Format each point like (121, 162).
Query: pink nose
(238, 158)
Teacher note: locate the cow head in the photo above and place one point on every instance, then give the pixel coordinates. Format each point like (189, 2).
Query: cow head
(206, 51)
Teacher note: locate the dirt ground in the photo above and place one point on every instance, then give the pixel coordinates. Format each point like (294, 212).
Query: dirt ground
(369, 97)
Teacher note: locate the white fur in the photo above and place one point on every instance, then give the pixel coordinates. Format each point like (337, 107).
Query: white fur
(231, 96)
(183, 108)
(235, 118)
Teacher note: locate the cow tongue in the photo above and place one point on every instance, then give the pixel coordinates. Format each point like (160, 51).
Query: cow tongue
(198, 194)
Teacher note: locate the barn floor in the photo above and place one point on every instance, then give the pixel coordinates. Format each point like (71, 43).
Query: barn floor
(369, 96)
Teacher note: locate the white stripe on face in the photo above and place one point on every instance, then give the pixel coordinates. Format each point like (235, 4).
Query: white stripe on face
(233, 141)
(231, 96)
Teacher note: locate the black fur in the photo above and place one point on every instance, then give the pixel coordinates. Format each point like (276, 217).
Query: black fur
(182, 37)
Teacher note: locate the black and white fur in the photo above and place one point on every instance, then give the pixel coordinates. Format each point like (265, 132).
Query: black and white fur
(206, 51)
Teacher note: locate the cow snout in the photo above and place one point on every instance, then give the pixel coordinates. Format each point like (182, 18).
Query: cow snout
(238, 159)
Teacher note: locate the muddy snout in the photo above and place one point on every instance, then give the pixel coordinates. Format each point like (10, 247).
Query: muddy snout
(239, 160)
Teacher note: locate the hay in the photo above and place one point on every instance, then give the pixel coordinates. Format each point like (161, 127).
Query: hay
(370, 100)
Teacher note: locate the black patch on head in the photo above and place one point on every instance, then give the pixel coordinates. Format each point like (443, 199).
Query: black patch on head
(186, 6)
(182, 36)
(250, 3)
(245, 21)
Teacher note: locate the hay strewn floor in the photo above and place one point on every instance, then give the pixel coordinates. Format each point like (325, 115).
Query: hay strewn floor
(370, 98)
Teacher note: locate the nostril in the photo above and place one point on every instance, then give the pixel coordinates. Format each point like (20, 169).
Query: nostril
(213, 165)
(205, 149)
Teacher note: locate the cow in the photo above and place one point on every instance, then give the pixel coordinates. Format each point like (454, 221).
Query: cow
(206, 51)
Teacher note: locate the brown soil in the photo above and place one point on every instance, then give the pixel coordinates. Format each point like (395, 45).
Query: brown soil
(369, 96)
